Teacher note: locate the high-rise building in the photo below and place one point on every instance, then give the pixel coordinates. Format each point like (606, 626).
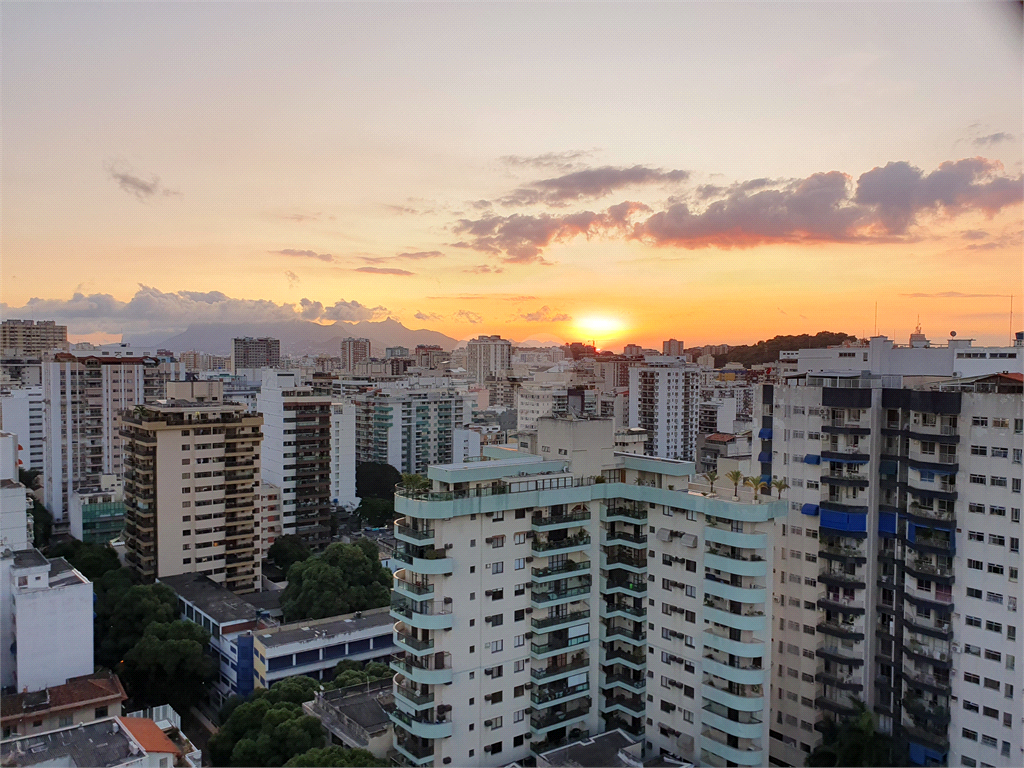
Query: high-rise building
(343, 455)
(547, 597)
(191, 486)
(633, 350)
(354, 351)
(672, 348)
(390, 352)
(430, 355)
(21, 412)
(664, 400)
(899, 560)
(248, 352)
(535, 400)
(31, 338)
(411, 428)
(296, 454)
(488, 356)
(84, 393)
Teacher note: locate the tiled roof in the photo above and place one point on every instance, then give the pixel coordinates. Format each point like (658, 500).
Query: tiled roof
(149, 735)
(75, 693)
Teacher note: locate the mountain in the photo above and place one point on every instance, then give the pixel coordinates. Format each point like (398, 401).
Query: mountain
(300, 337)
(768, 351)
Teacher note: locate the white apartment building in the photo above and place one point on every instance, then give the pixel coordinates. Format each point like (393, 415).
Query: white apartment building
(343, 455)
(549, 596)
(899, 562)
(21, 412)
(354, 351)
(191, 489)
(271, 526)
(664, 400)
(296, 454)
(31, 338)
(84, 393)
(488, 356)
(536, 400)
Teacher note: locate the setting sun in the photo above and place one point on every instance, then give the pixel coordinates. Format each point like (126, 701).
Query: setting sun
(596, 326)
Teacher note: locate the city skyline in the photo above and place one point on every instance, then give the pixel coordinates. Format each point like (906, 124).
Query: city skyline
(632, 174)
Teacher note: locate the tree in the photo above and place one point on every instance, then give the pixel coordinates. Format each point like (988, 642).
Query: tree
(735, 477)
(855, 742)
(768, 351)
(756, 483)
(93, 560)
(29, 477)
(780, 485)
(711, 476)
(287, 550)
(42, 523)
(415, 482)
(342, 579)
(348, 673)
(169, 665)
(378, 481)
(376, 513)
(335, 756)
(136, 608)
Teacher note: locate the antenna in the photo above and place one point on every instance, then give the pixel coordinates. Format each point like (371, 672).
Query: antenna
(876, 319)
(1011, 319)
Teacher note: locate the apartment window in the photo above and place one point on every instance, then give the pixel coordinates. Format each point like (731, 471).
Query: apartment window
(497, 645)
(976, 565)
(974, 592)
(998, 482)
(498, 517)
(688, 691)
(978, 509)
(975, 536)
(472, 542)
(989, 741)
(995, 568)
(497, 541)
(990, 712)
(991, 684)
(520, 563)
(496, 620)
(691, 591)
(969, 734)
(979, 450)
(1014, 544)
(970, 706)
(1015, 485)
(970, 762)
(100, 712)
(978, 479)
(1014, 515)
(999, 453)
(979, 421)
(973, 679)
(519, 666)
(498, 567)
(972, 621)
(998, 511)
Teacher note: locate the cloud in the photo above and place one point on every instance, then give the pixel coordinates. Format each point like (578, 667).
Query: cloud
(153, 310)
(301, 218)
(561, 160)
(479, 204)
(484, 269)
(992, 138)
(420, 255)
(291, 277)
(955, 295)
(134, 183)
(545, 315)
(465, 316)
(974, 234)
(384, 270)
(428, 316)
(487, 296)
(303, 254)
(589, 183)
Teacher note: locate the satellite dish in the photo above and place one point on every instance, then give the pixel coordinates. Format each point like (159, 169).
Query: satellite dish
(952, 333)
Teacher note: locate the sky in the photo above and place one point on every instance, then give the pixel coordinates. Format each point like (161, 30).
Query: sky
(616, 172)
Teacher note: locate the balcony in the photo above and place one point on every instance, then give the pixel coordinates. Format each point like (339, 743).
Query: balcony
(540, 747)
(435, 669)
(427, 561)
(411, 698)
(556, 571)
(847, 653)
(928, 568)
(740, 724)
(560, 595)
(729, 561)
(625, 514)
(937, 627)
(414, 753)
(625, 610)
(568, 544)
(625, 539)
(631, 659)
(632, 726)
(556, 646)
(625, 634)
(850, 630)
(637, 684)
(632, 705)
(625, 586)
(833, 601)
(921, 709)
(407, 642)
(414, 590)
(742, 674)
(747, 751)
(426, 614)
(424, 726)
(624, 559)
(554, 522)
(561, 621)
(405, 532)
(841, 578)
(736, 592)
(551, 695)
(554, 672)
(937, 739)
(555, 718)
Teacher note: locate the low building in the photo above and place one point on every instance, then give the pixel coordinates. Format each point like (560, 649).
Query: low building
(711, 448)
(611, 748)
(314, 647)
(357, 717)
(80, 700)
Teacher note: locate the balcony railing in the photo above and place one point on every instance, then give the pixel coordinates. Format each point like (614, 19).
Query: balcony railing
(550, 621)
(565, 567)
(417, 589)
(559, 644)
(569, 541)
(567, 519)
(541, 674)
(551, 693)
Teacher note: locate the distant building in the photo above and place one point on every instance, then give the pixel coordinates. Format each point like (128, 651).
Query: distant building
(96, 515)
(487, 356)
(79, 700)
(354, 351)
(711, 448)
(269, 514)
(248, 352)
(390, 352)
(633, 350)
(430, 356)
(672, 348)
(663, 399)
(21, 412)
(31, 338)
(343, 454)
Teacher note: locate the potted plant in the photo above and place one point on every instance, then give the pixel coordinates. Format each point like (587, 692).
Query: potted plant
(757, 484)
(711, 477)
(735, 477)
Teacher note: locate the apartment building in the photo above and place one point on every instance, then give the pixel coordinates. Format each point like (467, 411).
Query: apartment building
(77, 701)
(488, 356)
(343, 455)
(545, 597)
(84, 393)
(31, 338)
(672, 348)
(354, 351)
(430, 356)
(411, 428)
(248, 352)
(296, 454)
(898, 563)
(21, 412)
(664, 400)
(536, 400)
(191, 485)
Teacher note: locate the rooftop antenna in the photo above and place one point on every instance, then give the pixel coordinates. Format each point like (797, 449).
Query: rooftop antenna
(876, 318)
(1011, 319)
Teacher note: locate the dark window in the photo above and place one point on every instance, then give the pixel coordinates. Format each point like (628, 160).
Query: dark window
(100, 712)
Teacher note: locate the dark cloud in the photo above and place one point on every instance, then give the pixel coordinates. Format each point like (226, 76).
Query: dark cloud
(545, 315)
(589, 183)
(954, 295)
(465, 316)
(420, 255)
(560, 160)
(384, 270)
(479, 204)
(291, 277)
(303, 254)
(974, 234)
(484, 269)
(428, 316)
(992, 138)
(153, 310)
(144, 187)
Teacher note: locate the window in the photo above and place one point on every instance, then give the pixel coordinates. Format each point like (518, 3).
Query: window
(998, 511)
(978, 509)
(100, 712)
(970, 706)
(979, 450)
(990, 712)
(520, 563)
(976, 565)
(995, 568)
(998, 482)
(999, 541)
(519, 666)
(497, 541)
(973, 679)
(979, 421)
(496, 620)
(969, 734)
(991, 684)
(972, 621)
(691, 591)
(496, 697)
(974, 592)
(498, 567)
(497, 645)
(999, 453)
(978, 479)
(989, 741)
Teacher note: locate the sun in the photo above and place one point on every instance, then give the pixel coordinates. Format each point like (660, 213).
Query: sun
(600, 326)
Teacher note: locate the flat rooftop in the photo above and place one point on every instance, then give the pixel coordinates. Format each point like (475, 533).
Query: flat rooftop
(220, 604)
(63, 573)
(29, 558)
(334, 626)
(362, 703)
(101, 744)
(601, 751)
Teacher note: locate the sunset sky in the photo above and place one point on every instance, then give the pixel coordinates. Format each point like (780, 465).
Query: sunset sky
(628, 172)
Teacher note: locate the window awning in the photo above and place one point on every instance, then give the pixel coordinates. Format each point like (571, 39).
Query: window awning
(847, 461)
(689, 540)
(811, 458)
(809, 509)
(765, 457)
(765, 433)
(664, 534)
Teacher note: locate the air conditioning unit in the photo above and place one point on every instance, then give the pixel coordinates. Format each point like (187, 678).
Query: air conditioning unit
(528, 635)
(528, 686)
(529, 534)
(528, 610)
(447, 601)
(529, 559)
(488, 592)
(528, 710)
(449, 546)
(528, 736)
(487, 697)
(487, 646)
(488, 540)
(488, 724)
(489, 514)
(488, 672)
(487, 748)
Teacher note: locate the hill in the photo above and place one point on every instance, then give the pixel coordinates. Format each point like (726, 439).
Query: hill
(768, 351)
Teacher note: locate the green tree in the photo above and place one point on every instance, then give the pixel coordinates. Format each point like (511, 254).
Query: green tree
(93, 560)
(855, 742)
(415, 482)
(375, 480)
(136, 608)
(756, 483)
(169, 665)
(287, 550)
(780, 485)
(376, 513)
(342, 579)
(768, 351)
(335, 756)
(735, 477)
(42, 523)
(712, 477)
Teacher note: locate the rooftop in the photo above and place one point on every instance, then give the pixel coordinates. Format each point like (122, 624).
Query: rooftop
(217, 602)
(29, 558)
(269, 600)
(361, 704)
(75, 693)
(149, 735)
(63, 573)
(597, 752)
(101, 744)
(307, 631)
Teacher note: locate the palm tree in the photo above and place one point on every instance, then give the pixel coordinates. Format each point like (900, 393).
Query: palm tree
(755, 482)
(735, 477)
(711, 477)
(414, 482)
(780, 485)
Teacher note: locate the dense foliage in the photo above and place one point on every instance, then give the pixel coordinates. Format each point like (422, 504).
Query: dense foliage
(42, 520)
(169, 665)
(349, 672)
(768, 351)
(93, 560)
(134, 607)
(855, 742)
(376, 481)
(287, 550)
(342, 579)
(375, 513)
(335, 756)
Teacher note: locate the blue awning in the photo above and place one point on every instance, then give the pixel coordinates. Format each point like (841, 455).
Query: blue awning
(765, 457)
(767, 480)
(765, 433)
(809, 509)
(847, 461)
(811, 458)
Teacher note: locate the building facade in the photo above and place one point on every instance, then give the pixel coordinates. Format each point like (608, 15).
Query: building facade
(343, 455)
(31, 338)
(354, 351)
(664, 399)
(21, 412)
(248, 352)
(488, 356)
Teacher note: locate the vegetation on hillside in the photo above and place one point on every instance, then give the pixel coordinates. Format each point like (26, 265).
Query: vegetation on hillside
(768, 351)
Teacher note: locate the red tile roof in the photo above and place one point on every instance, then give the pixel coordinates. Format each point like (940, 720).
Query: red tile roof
(149, 735)
(76, 693)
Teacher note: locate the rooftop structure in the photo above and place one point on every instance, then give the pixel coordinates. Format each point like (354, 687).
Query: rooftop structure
(357, 717)
(79, 700)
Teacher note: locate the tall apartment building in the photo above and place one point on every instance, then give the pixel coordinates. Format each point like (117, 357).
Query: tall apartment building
(664, 400)
(201, 361)
(410, 428)
(535, 400)
(343, 455)
(899, 561)
(354, 351)
(31, 338)
(488, 356)
(297, 454)
(248, 352)
(672, 348)
(547, 597)
(191, 485)
(430, 356)
(21, 412)
(84, 393)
